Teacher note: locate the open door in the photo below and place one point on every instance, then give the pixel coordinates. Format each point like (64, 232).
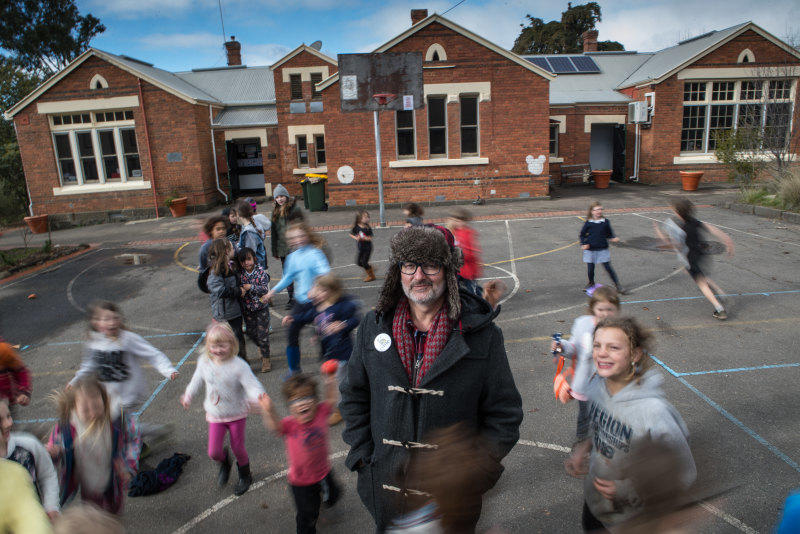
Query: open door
(618, 164)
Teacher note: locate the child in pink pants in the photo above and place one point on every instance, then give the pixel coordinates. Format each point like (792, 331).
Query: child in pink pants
(231, 388)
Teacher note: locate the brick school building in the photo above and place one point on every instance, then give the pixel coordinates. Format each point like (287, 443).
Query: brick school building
(113, 137)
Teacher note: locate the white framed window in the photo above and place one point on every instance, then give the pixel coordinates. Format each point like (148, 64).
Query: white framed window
(109, 155)
(301, 142)
(437, 126)
(469, 125)
(404, 125)
(130, 153)
(66, 164)
(713, 107)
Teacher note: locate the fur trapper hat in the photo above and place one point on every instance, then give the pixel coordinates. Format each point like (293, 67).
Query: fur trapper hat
(421, 244)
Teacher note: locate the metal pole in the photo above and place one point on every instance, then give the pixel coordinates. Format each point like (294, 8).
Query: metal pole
(380, 173)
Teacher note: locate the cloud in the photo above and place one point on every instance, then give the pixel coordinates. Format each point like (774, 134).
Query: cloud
(144, 8)
(182, 40)
(263, 54)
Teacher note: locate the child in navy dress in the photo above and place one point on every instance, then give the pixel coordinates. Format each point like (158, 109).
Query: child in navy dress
(594, 237)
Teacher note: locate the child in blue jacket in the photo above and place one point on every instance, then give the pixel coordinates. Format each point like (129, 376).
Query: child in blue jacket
(594, 237)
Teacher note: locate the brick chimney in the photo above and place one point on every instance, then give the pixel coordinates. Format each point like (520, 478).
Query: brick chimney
(234, 51)
(589, 41)
(417, 15)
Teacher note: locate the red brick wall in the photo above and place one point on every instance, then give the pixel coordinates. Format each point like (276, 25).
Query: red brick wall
(765, 52)
(513, 125)
(174, 125)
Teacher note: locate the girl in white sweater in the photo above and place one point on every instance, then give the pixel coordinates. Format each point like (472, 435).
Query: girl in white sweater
(231, 388)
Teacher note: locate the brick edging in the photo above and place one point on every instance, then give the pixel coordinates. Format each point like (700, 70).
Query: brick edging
(46, 264)
(762, 211)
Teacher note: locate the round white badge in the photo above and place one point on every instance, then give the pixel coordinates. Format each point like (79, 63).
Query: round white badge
(382, 342)
(345, 174)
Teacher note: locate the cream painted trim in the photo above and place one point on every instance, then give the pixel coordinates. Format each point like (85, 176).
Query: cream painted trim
(562, 122)
(130, 185)
(304, 72)
(437, 162)
(727, 73)
(89, 104)
(689, 159)
(588, 120)
(556, 160)
(307, 129)
(261, 133)
(302, 48)
(453, 90)
(315, 170)
(746, 53)
(435, 47)
(98, 78)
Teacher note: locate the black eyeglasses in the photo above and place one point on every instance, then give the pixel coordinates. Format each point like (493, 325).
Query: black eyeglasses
(409, 268)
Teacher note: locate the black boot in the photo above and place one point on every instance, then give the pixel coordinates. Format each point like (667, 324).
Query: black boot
(244, 479)
(224, 469)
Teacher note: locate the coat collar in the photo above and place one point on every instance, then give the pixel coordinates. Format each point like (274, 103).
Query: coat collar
(455, 349)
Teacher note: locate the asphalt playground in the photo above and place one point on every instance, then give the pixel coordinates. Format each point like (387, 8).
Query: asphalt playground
(734, 382)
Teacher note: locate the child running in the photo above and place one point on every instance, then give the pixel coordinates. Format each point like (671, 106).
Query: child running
(116, 356)
(303, 265)
(224, 291)
(29, 452)
(334, 315)
(603, 303)
(254, 282)
(95, 451)
(628, 415)
(15, 379)
(594, 236)
(231, 387)
(466, 238)
(413, 213)
(362, 233)
(692, 248)
(305, 434)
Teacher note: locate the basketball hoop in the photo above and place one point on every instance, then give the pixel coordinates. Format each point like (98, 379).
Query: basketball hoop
(384, 98)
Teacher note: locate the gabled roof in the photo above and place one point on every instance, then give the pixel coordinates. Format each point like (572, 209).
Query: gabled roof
(668, 61)
(232, 86)
(303, 48)
(427, 21)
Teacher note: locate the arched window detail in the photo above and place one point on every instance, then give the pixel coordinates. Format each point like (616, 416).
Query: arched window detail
(435, 52)
(746, 56)
(98, 82)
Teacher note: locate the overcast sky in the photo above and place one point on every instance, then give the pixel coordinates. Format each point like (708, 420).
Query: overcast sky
(185, 34)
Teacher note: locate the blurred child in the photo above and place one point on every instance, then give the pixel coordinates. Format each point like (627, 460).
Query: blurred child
(250, 237)
(116, 357)
(87, 519)
(594, 236)
(695, 257)
(231, 388)
(15, 379)
(628, 412)
(95, 451)
(305, 434)
(603, 303)
(20, 510)
(224, 291)
(254, 281)
(466, 238)
(29, 452)
(362, 233)
(413, 213)
(334, 315)
(234, 228)
(215, 227)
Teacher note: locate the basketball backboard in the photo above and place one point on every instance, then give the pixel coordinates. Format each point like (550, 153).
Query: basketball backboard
(362, 76)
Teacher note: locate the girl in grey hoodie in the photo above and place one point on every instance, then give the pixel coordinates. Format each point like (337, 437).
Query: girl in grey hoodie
(629, 416)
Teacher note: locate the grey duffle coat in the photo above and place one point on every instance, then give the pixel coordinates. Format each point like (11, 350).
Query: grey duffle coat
(476, 385)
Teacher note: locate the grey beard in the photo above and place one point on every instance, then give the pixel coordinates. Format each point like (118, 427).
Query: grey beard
(433, 296)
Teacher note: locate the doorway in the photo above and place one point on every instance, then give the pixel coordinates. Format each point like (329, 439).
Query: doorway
(607, 149)
(246, 166)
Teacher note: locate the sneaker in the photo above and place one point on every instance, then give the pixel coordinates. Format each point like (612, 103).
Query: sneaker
(721, 315)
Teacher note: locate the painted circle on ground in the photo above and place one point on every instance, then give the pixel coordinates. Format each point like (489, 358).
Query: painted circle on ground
(345, 174)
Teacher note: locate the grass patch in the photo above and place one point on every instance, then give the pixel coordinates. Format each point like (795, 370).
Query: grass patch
(17, 259)
(760, 196)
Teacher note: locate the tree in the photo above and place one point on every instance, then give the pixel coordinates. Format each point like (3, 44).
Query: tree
(43, 36)
(564, 36)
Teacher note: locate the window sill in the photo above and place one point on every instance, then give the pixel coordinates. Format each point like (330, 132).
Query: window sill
(437, 162)
(306, 170)
(554, 159)
(100, 188)
(689, 159)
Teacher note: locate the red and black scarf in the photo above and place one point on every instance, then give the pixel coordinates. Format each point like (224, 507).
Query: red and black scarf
(436, 339)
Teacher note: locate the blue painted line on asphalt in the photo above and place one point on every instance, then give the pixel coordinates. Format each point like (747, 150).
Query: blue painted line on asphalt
(164, 382)
(30, 421)
(698, 297)
(23, 348)
(740, 369)
(725, 413)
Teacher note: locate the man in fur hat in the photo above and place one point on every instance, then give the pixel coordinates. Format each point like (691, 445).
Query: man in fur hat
(427, 357)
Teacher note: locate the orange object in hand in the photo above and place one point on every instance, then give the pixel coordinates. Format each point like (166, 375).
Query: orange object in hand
(561, 387)
(329, 367)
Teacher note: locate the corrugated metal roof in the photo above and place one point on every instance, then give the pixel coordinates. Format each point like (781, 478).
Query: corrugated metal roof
(670, 58)
(234, 85)
(238, 116)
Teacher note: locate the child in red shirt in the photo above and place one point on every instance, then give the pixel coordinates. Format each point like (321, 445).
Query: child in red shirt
(15, 379)
(467, 240)
(305, 433)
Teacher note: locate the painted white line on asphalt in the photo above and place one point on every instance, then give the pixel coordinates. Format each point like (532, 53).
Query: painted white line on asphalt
(728, 518)
(228, 500)
(541, 445)
(513, 272)
(353, 264)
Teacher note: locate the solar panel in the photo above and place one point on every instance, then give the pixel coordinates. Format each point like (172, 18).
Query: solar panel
(585, 64)
(541, 62)
(562, 65)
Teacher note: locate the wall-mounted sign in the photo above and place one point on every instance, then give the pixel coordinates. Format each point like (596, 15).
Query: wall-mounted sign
(345, 174)
(349, 87)
(174, 157)
(408, 102)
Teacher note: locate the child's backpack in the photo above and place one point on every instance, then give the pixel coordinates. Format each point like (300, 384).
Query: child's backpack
(202, 280)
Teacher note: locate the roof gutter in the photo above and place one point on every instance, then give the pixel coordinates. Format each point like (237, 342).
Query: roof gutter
(214, 151)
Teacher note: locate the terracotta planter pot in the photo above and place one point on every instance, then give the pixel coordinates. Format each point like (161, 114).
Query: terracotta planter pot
(601, 179)
(690, 180)
(178, 207)
(37, 224)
